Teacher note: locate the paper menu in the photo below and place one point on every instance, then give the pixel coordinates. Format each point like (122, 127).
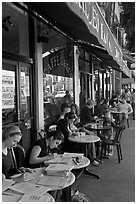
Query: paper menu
(6, 184)
(53, 181)
(59, 160)
(26, 187)
(30, 176)
(60, 170)
(73, 155)
(59, 167)
(11, 198)
(33, 198)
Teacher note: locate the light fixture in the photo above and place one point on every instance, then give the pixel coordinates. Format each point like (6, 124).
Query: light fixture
(6, 24)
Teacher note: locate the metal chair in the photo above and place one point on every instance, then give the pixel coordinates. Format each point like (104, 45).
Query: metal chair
(113, 142)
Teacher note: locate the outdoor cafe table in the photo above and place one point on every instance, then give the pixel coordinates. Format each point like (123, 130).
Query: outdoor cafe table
(65, 189)
(41, 171)
(85, 141)
(98, 128)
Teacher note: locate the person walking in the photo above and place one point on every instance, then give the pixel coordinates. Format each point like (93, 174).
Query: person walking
(133, 102)
(125, 108)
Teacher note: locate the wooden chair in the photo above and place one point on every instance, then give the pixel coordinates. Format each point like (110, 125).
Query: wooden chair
(113, 142)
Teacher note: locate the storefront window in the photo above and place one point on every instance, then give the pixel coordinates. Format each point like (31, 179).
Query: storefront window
(9, 102)
(57, 73)
(57, 76)
(25, 92)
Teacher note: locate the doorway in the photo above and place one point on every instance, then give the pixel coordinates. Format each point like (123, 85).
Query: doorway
(17, 98)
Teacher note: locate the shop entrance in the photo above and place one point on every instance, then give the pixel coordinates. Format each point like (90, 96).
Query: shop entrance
(17, 98)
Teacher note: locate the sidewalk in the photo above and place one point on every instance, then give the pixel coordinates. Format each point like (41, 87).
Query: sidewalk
(117, 181)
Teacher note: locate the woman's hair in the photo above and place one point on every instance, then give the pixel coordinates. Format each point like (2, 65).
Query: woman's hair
(10, 132)
(70, 115)
(58, 135)
(76, 108)
(63, 106)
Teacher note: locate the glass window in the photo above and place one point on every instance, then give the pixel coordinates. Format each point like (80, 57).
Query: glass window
(25, 92)
(9, 100)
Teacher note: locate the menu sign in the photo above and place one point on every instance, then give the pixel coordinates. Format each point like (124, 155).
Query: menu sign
(7, 90)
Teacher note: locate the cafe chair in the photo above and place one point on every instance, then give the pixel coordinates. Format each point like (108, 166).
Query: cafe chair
(113, 142)
(18, 156)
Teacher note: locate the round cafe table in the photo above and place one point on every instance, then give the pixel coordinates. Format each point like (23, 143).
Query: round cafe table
(66, 189)
(98, 128)
(85, 141)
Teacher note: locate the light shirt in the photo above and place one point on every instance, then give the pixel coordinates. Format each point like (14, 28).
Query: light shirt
(125, 108)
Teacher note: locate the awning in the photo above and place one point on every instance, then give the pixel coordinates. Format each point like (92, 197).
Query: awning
(126, 70)
(82, 21)
(101, 53)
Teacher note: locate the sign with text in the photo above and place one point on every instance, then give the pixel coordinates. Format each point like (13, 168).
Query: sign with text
(90, 13)
(7, 89)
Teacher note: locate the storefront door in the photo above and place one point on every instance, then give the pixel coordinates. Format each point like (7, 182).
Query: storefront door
(17, 98)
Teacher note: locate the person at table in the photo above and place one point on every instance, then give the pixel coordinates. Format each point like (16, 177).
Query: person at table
(128, 96)
(74, 109)
(125, 107)
(10, 137)
(64, 125)
(86, 115)
(65, 108)
(103, 107)
(41, 149)
(108, 121)
(114, 101)
(51, 112)
(67, 98)
(133, 102)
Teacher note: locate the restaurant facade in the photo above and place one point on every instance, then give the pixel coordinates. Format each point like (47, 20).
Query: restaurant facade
(45, 54)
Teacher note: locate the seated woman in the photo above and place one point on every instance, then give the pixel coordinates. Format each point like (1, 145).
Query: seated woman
(64, 109)
(10, 137)
(64, 125)
(68, 128)
(41, 148)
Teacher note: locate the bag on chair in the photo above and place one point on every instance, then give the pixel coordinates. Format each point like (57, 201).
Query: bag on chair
(77, 196)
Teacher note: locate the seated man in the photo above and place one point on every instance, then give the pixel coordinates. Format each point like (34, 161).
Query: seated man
(86, 115)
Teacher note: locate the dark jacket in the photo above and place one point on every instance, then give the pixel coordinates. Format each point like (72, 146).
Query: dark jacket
(86, 115)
